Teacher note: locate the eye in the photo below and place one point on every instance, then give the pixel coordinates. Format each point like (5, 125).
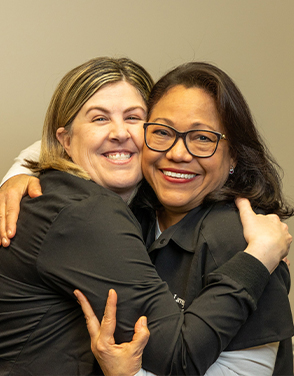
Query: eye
(161, 132)
(202, 137)
(134, 118)
(99, 119)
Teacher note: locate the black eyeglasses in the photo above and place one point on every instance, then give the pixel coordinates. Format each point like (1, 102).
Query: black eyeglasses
(199, 143)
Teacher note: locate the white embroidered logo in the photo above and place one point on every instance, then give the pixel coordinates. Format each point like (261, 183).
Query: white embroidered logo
(180, 301)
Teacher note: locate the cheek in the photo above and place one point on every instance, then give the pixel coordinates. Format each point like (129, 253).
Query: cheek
(218, 165)
(138, 138)
(149, 165)
(147, 160)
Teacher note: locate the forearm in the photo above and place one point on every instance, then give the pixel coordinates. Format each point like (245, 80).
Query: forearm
(253, 361)
(32, 152)
(213, 319)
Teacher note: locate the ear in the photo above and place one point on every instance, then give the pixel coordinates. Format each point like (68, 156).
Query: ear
(64, 138)
(233, 162)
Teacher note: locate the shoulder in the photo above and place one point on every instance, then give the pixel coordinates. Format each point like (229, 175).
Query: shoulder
(222, 230)
(221, 221)
(79, 198)
(88, 220)
(73, 205)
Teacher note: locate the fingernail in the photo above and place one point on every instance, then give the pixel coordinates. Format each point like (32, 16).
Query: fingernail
(4, 242)
(9, 232)
(144, 321)
(76, 295)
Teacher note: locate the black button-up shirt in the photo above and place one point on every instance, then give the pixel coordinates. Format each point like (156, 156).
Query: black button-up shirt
(204, 240)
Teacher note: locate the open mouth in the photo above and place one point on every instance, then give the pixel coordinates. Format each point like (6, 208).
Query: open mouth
(118, 156)
(178, 175)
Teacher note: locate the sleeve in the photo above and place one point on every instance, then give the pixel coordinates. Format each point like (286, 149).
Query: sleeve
(94, 247)
(142, 372)
(32, 152)
(253, 361)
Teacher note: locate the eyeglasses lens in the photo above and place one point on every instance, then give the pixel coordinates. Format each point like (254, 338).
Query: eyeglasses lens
(200, 143)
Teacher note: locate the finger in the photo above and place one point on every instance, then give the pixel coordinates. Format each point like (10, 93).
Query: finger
(3, 236)
(108, 323)
(244, 207)
(93, 324)
(12, 213)
(34, 187)
(141, 335)
(29, 185)
(287, 261)
(8, 216)
(11, 194)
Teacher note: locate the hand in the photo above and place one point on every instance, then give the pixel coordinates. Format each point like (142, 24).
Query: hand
(286, 261)
(267, 237)
(11, 194)
(114, 360)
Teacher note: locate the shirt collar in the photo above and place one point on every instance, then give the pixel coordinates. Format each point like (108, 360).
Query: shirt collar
(184, 233)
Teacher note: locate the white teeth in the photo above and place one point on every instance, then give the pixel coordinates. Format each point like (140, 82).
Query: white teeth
(178, 175)
(119, 156)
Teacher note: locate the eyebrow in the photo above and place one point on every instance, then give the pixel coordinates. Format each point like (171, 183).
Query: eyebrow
(159, 119)
(129, 109)
(96, 108)
(171, 123)
(136, 108)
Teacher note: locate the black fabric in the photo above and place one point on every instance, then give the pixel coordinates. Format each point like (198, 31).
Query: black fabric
(207, 238)
(79, 235)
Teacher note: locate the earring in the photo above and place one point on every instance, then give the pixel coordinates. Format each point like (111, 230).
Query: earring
(231, 171)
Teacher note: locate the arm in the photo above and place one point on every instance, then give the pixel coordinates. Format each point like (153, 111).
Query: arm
(180, 338)
(258, 360)
(32, 152)
(17, 183)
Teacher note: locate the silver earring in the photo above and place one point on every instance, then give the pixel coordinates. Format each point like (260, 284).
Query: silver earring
(231, 171)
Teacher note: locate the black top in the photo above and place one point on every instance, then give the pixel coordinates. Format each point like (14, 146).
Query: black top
(80, 235)
(206, 238)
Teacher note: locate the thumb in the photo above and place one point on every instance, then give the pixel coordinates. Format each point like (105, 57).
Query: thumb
(142, 333)
(244, 206)
(34, 187)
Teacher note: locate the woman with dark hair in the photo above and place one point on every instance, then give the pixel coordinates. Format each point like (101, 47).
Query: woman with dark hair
(190, 252)
(256, 177)
(202, 151)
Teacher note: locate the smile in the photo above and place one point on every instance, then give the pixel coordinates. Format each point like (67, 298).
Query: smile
(118, 156)
(178, 175)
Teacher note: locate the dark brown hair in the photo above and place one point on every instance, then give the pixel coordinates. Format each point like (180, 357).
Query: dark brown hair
(256, 174)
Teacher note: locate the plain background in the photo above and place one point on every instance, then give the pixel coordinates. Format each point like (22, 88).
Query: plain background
(253, 41)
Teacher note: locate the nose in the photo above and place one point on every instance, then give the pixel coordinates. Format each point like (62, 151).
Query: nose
(119, 131)
(179, 152)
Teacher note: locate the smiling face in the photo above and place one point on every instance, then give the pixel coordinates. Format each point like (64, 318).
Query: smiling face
(106, 137)
(180, 180)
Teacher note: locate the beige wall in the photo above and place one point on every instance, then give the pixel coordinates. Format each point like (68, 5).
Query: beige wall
(251, 40)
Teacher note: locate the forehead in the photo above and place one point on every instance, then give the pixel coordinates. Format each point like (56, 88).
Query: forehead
(121, 91)
(186, 105)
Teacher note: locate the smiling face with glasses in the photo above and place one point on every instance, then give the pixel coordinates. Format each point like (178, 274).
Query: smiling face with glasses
(186, 154)
(198, 142)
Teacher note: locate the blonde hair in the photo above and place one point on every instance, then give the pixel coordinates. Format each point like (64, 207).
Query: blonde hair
(73, 91)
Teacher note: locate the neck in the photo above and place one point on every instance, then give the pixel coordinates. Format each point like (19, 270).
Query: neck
(128, 196)
(167, 218)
